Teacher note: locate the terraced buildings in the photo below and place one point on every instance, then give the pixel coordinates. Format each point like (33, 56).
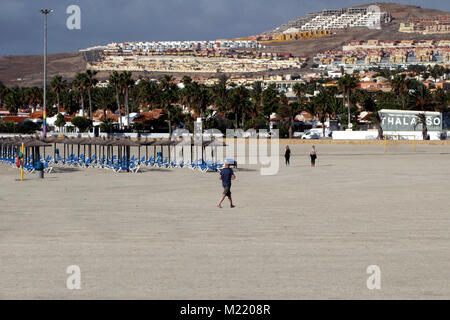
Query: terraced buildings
(192, 57)
(335, 19)
(427, 25)
(390, 53)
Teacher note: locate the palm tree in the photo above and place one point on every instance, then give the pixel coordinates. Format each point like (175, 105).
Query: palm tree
(256, 96)
(311, 108)
(126, 82)
(220, 93)
(103, 97)
(437, 71)
(271, 100)
(114, 81)
(422, 97)
(28, 97)
(186, 80)
(400, 85)
(335, 107)
(248, 110)
(322, 101)
(422, 120)
(153, 93)
(107, 126)
(288, 112)
(168, 96)
(13, 100)
(200, 98)
(347, 84)
(299, 89)
(375, 118)
(58, 85)
(2, 92)
(79, 85)
(239, 101)
(90, 83)
(33, 96)
(441, 100)
(134, 98)
(187, 93)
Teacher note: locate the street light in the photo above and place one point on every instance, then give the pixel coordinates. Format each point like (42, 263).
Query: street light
(45, 12)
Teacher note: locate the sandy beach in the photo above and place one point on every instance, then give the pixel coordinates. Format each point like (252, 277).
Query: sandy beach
(304, 233)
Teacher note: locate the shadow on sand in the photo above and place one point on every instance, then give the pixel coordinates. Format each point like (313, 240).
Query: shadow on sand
(154, 169)
(245, 169)
(64, 170)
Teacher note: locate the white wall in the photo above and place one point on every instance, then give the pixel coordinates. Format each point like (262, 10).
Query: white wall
(355, 135)
(410, 135)
(394, 135)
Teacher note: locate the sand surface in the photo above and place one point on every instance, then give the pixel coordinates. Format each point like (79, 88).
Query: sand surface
(305, 233)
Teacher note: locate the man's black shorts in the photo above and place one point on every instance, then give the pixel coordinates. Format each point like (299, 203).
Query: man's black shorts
(227, 191)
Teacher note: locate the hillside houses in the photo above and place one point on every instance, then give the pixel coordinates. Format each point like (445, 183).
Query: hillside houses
(167, 63)
(427, 25)
(186, 46)
(230, 56)
(386, 52)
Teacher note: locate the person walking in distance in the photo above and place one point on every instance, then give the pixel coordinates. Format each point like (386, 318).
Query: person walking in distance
(287, 155)
(313, 156)
(226, 175)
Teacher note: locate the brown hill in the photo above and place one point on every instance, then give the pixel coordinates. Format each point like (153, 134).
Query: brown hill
(28, 70)
(403, 12)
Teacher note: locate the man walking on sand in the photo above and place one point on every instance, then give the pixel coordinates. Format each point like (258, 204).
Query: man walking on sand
(226, 175)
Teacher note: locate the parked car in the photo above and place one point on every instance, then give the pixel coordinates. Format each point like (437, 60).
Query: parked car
(311, 135)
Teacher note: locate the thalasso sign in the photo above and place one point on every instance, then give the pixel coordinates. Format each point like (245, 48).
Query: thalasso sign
(396, 120)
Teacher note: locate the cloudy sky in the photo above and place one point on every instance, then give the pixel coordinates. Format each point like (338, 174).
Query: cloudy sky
(104, 21)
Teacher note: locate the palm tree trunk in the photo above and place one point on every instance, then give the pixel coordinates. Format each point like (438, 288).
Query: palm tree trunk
(82, 103)
(126, 108)
(348, 106)
(57, 100)
(378, 125)
(380, 131)
(343, 98)
(170, 122)
(323, 126)
(118, 107)
(291, 128)
(90, 103)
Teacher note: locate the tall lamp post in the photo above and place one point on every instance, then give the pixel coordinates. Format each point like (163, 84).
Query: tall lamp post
(45, 12)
